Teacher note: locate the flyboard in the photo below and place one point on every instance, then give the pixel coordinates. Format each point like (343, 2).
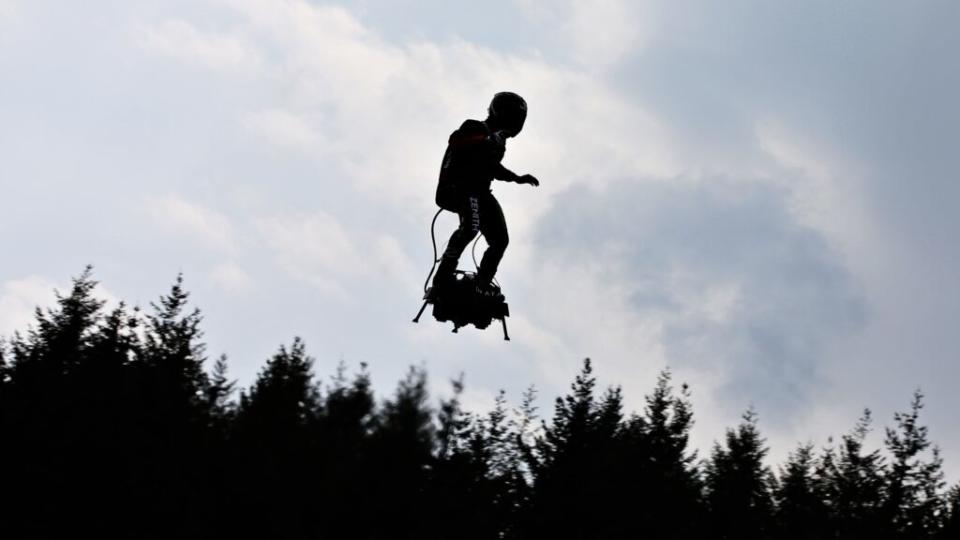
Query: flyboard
(458, 301)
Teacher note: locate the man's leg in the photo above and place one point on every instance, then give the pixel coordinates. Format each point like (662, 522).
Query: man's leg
(459, 240)
(494, 229)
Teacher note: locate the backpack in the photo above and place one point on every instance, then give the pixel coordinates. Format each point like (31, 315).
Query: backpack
(447, 193)
(458, 164)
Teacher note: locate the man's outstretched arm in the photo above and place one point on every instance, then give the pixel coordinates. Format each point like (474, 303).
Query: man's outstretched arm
(502, 173)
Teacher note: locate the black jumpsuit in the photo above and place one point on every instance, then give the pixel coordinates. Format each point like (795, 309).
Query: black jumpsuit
(470, 164)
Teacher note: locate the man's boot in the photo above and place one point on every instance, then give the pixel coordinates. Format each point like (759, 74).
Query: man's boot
(444, 278)
(486, 288)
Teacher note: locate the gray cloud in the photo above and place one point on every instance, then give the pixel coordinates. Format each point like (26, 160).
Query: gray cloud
(868, 89)
(735, 279)
(872, 82)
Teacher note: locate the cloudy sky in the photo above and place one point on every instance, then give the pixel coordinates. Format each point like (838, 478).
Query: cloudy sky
(761, 196)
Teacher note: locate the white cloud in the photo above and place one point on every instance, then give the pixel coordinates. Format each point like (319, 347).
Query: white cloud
(380, 112)
(183, 41)
(827, 192)
(9, 10)
(319, 250)
(286, 130)
(207, 226)
(19, 299)
(315, 248)
(232, 277)
(599, 33)
(572, 313)
(604, 31)
(393, 263)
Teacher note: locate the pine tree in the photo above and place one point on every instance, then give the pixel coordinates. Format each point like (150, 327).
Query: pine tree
(340, 455)
(43, 422)
(271, 446)
(402, 449)
(105, 420)
(218, 393)
(460, 486)
(57, 344)
(913, 505)
(575, 465)
(484, 474)
(279, 407)
(173, 356)
(738, 484)
(346, 413)
(800, 509)
(664, 492)
(217, 464)
(851, 481)
(171, 415)
(104, 389)
(507, 469)
(4, 389)
(520, 472)
(951, 523)
(5, 432)
(452, 423)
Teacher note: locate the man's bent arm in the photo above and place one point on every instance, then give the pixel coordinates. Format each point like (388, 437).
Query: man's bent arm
(502, 173)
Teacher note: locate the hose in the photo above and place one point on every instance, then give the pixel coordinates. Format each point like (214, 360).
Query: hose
(433, 238)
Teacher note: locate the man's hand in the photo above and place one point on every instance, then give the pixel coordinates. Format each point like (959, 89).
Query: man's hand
(528, 179)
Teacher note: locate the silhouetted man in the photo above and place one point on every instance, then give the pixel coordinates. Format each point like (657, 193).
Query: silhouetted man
(470, 164)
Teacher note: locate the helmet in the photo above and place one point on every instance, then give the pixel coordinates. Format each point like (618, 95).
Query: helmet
(508, 111)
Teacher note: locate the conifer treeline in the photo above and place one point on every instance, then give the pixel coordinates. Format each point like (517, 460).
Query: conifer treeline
(111, 426)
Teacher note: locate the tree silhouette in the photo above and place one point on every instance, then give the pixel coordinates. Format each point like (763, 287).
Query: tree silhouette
(913, 505)
(572, 494)
(801, 508)
(111, 426)
(271, 442)
(340, 455)
(481, 480)
(47, 414)
(853, 484)
(402, 447)
(461, 492)
(951, 525)
(664, 488)
(739, 485)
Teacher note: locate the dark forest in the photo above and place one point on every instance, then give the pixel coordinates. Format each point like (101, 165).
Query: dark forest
(116, 424)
